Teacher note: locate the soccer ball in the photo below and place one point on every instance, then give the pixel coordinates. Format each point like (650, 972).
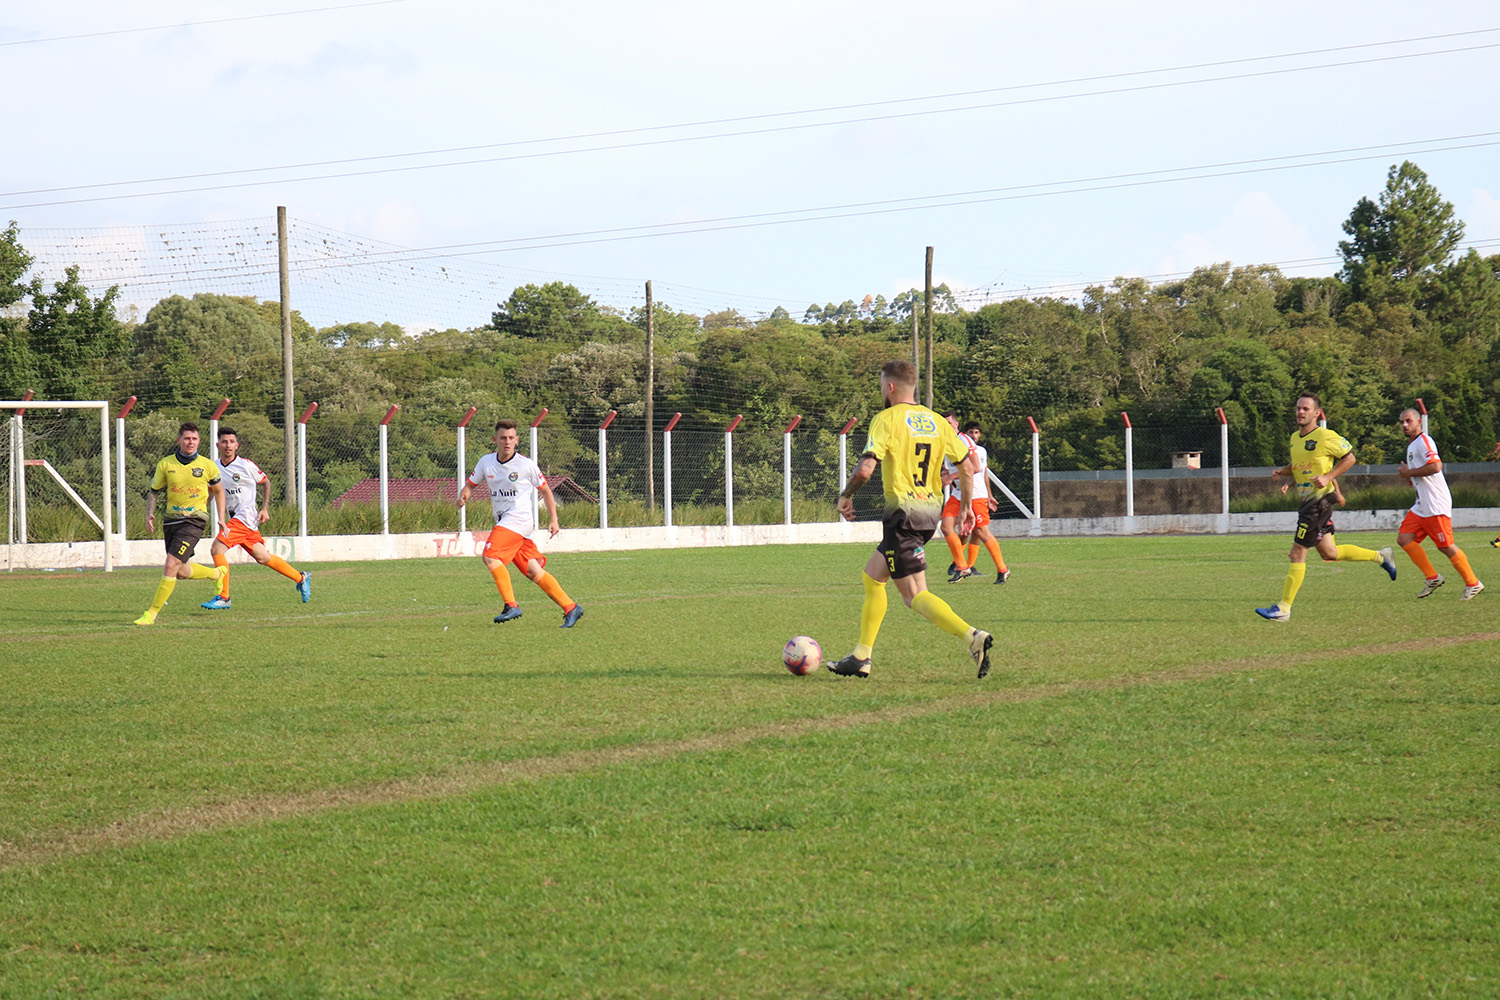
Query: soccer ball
(802, 655)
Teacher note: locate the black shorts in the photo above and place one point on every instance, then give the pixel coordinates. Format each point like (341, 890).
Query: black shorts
(903, 542)
(182, 538)
(1314, 520)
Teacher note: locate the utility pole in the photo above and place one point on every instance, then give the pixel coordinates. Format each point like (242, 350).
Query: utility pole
(927, 310)
(650, 401)
(289, 422)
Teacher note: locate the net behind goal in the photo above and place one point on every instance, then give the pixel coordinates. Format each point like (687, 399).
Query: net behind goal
(55, 484)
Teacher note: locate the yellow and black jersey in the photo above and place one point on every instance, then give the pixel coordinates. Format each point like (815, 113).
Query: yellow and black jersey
(187, 486)
(910, 442)
(1313, 455)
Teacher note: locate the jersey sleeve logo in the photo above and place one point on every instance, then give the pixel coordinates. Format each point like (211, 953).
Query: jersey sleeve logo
(921, 424)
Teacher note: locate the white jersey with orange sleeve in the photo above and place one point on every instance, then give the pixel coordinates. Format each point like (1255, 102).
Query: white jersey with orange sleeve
(982, 477)
(241, 479)
(1433, 495)
(513, 489)
(951, 490)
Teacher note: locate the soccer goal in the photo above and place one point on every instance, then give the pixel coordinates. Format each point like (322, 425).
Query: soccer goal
(57, 484)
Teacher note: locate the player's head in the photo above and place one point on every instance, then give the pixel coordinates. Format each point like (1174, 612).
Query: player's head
(506, 438)
(1411, 423)
(952, 419)
(1309, 408)
(972, 429)
(898, 381)
(229, 444)
(188, 438)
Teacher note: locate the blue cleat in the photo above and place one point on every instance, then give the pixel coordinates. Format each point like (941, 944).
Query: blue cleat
(305, 587)
(510, 614)
(1387, 563)
(571, 616)
(217, 604)
(1274, 613)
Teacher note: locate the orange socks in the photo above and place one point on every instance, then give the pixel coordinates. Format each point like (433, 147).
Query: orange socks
(220, 560)
(1461, 563)
(502, 582)
(281, 566)
(554, 590)
(1419, 559)
(957, 548)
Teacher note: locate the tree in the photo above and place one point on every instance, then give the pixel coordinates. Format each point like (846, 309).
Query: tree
(1395, 243)
(554, 311)
(76, 342)
(191, 352)
(1255, 389)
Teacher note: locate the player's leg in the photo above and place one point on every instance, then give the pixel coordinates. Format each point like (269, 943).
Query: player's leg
(959, 569)
(876, 574)
(1296, 572)
(499, 549)
(220, 600)
(912, 586)
(261, 554)
(1358, 553)
(1409, 540)
(535, 568)
(1460, 562)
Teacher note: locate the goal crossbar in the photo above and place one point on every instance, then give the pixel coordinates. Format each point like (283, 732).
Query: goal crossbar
(18, 463)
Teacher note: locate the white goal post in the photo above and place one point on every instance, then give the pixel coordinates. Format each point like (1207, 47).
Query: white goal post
(14, 414)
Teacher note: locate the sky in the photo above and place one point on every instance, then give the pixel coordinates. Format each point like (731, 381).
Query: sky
(737, 155)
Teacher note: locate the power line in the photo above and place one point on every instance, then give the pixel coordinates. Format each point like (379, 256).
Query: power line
(196, 24)
(717, 135)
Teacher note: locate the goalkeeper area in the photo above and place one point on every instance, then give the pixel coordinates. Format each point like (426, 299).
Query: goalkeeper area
(382, 793)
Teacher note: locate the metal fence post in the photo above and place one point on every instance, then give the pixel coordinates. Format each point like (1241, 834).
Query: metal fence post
(120, 493)
(1036, 470)
(536, 509)
(844, 453)
(786, 468)
(604, 471)
(463, 465)
(213, 452)
(729, 470)
(302, 470)
(385, 471)
(666, 467)
(1129, 467)
(1224, 470)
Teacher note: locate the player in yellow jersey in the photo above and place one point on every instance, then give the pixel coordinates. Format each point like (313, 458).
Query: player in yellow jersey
(189, 481)
(1319, 456)
(909, 443)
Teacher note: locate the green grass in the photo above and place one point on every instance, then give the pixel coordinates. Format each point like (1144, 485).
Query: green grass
(1154, 794)
(1370, 498)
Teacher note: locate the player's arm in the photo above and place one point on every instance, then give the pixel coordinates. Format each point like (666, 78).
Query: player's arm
(151, 496)
(216, 491)
(967, 517)
(1432, 468)
(1285, 470)
(547, 498)
(463, 494)
(265, 500)
(1344, 465)
(861, 475)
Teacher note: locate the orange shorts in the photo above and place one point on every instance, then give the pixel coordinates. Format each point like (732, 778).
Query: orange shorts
(237, 532)
(981, 510)
(507, 546)
(1439, 528)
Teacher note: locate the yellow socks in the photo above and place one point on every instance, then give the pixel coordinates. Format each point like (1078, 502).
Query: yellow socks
(163, 591)
(1294, 575)
(502, 581)
(281, 566)
(936, 610)
(1420, 560)
(554, 590)
(1461, 563)
(1353, 553)
(870, 616)
(201, 572)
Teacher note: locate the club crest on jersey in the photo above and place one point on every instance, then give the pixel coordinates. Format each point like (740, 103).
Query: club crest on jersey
(921, 424)
(197, 473)
(1311, 445)
(514, 476)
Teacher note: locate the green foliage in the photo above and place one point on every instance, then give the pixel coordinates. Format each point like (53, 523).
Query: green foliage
(1395, 243)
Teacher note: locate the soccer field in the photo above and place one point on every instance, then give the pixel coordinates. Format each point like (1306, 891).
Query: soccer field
(381, 793)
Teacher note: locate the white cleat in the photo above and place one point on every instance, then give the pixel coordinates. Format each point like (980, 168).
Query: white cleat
(1472, 592)
(1274, 613)
(1430, 586)
(1388, 562)
(980, 642)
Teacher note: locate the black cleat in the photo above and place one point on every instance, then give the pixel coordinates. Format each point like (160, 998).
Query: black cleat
(851, 666)
(960, 575)
(1002, 577)
(510, 614)
(571, 616)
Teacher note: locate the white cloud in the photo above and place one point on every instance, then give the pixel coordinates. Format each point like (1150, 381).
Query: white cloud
(1255, 231)
(1482, 218)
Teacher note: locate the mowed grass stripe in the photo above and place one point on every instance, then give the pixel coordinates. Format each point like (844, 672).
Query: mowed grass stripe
(187, 821)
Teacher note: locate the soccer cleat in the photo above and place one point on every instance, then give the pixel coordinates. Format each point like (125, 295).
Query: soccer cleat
(952, 567)
(851, 666)
(510, 614)
(570, 616)
(959, 575)
(149, 618)
(217, 604)
(305, 587)
(1472, 592)
(979, 649)
(1495, 543)
(1387, 563)
(1002, 576)
(1274, 613)
(1431, 585)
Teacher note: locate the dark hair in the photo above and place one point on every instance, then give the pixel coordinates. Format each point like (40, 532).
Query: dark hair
(227, 430)
(1309, 394)
(951, 415)
(188, 426)
(505, 423)
(972, 425)
(902, 372)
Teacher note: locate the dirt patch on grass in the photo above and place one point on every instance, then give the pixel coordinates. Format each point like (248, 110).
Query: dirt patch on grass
(209, 817)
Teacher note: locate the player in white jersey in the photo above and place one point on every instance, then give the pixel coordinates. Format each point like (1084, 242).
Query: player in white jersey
(983, 504)
(959, 569)
(1431, 516)
(242, 479)
(513, 482)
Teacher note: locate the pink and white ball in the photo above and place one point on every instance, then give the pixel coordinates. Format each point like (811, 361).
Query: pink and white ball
(802, 655)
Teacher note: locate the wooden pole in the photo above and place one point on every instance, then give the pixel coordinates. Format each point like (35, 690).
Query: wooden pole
(927, 310)
(650, 391)
(288, 420)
